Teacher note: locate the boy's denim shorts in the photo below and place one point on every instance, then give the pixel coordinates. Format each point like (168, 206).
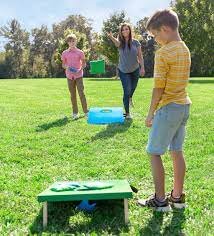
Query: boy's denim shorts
(168, 129)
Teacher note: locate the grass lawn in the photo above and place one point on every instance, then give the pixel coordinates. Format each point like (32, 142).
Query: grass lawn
(41, 144)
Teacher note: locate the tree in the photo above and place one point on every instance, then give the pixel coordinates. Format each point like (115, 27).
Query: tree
(197, 30)
(39, 69)
(140, 27)
(43, 47)
(78, 23)
(107, 48)
(18, 42)
(147, 45)
(3, 66)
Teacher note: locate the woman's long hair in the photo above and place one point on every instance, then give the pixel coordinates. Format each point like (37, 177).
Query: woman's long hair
(121, 38)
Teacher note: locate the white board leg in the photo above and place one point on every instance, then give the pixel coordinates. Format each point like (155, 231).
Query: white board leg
(45, 214)
(126, 211)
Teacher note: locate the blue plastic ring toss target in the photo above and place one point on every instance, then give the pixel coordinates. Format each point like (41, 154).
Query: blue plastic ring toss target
(105, 115)
(106, 111)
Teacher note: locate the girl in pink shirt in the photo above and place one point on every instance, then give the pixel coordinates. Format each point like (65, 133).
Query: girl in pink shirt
(73, 61)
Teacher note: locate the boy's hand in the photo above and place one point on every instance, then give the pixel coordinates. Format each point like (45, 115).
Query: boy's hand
(83, 67)
(148, 121)
(64, 66)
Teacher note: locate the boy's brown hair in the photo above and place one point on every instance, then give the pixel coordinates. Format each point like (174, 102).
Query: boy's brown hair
(165, 17)
(70, 37)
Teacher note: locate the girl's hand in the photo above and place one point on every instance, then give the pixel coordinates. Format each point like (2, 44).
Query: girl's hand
(142, 71)
(110, 35)
(113, 39)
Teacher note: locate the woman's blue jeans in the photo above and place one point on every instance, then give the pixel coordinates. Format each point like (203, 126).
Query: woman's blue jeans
(129, 82)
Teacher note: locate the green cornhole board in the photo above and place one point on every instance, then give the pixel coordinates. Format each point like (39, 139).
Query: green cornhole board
(120, 190)
(97, 67)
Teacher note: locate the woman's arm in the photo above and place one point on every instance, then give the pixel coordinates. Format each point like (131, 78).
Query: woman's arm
(114, 40)
(141, 61)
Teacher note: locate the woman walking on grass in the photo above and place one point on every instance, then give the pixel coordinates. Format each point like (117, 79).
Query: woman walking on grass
(131, 64)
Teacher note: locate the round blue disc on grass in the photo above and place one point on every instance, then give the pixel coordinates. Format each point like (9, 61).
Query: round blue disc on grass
(105, 115)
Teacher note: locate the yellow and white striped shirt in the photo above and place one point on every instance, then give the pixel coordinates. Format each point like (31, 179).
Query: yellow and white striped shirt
(171, 72)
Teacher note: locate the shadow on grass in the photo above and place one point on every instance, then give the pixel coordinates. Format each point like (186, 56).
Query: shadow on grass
(49, 125)
(201, 81)
(111, 130)
(63, 218)
(175, 227)
(95, 79)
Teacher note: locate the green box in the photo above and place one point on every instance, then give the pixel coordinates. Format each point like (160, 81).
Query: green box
(120, 190)
(97, 67)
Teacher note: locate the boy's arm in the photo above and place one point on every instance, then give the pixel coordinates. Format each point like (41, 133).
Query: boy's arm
(83, 61)
(64, 66)
(156, 96)
(63, 61)
(160, 71)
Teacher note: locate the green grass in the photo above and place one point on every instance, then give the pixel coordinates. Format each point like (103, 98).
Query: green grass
(41, 144)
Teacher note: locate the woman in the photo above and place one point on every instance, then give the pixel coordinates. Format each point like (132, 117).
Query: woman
(131, 63)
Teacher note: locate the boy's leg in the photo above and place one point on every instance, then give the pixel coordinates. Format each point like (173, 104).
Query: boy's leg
(72, 90)
(158, 176)
(158, 142)
(166, 122)
(179, 168)
(176, 152)
(80, 88)
(158, 201)
(126, 83)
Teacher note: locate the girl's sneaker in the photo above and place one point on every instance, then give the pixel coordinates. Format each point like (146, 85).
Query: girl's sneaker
(155, 204)
(178, 203)
(75, 116)
(128, 116)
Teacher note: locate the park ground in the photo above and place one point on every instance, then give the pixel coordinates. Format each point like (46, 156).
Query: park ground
(41, 144)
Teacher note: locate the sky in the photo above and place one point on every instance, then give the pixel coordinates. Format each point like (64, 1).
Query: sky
(35, 13)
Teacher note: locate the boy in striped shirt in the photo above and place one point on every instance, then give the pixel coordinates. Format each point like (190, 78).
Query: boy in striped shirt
(169, 109)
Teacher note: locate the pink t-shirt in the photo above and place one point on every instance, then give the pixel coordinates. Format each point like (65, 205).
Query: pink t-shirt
(73, 58)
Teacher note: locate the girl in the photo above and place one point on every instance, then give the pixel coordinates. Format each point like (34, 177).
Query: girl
(131, 63)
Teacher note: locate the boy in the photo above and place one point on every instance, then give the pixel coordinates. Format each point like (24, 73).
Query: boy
(73, 61)
(169, 109)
